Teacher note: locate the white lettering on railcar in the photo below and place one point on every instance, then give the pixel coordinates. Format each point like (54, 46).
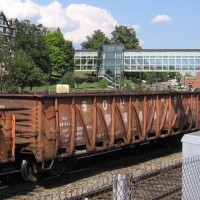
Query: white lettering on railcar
(122, 103)
(167, 115)
(155, 115)
(84, 106)
(108, 119)
(64, 124)
(140, 115)
(104, 105)
(64, 118)
(150, 101)
(125, 117)
(89, 126)
(2, 106)
(79, 128)
(65, 130)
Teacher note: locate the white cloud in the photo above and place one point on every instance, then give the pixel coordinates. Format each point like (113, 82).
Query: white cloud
(53, 15)
(19, 8)
(161, 18)
(136, 27)
(76, 21)
(89, 18)
(141, 42)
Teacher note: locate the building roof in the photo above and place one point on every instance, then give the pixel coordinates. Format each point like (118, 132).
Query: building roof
(162, 50)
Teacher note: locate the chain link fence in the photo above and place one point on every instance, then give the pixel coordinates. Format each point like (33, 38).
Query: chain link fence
(172, 181)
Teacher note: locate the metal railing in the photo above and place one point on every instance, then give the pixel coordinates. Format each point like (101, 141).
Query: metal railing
(172, 181)
(111, 81)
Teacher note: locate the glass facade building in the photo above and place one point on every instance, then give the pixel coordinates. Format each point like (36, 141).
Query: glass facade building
(114, 60)
(162, 60)
(86, 60)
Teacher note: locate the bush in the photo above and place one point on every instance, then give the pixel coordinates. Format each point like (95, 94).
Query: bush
(103, 83)
(125, 83)
(69, 79)
(55, 78)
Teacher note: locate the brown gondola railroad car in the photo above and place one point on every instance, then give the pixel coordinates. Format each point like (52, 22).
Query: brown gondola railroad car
(43, 132)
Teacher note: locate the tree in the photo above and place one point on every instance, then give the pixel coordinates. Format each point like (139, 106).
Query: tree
(17, 69)
(5, 62)
(95, 41)
(126, 36)
(69, 79)
(61, 53)
(178, 76)
(150, 77)
(162, 76)
(23, 71)
(30, 39)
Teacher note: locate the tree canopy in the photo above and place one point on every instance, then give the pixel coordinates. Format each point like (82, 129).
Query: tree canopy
(61, 52)
(17, 69)
(5, 63)
(24, 71)
(126, 36)
(121, 35)
(96, 40)
(30, 39)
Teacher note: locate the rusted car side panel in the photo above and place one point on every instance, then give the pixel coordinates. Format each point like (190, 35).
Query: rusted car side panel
(90, 123)
(7, 138)
(27, 112)
(50, 126)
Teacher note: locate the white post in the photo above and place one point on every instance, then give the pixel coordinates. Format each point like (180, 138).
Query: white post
(190, 167)
(122, 184)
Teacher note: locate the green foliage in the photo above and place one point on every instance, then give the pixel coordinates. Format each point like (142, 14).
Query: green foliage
(86, 85)
(150, 77)
(17, 69)
(134, 76)
(5, 63)
(162, 76)
(24, 72)
(126, 36)
(125, 83)
(55, 78)
(175, 75)
(97, 40)
(68, 78)
(61, 53)
(103, 83)
(30, 39)
(178, 76)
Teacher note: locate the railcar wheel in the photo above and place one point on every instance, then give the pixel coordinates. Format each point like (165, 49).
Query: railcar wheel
(29, 171)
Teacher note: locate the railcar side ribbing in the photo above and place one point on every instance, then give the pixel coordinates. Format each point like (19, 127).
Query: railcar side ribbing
(45, 131)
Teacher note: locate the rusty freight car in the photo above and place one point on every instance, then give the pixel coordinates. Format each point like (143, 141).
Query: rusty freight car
(44, 131)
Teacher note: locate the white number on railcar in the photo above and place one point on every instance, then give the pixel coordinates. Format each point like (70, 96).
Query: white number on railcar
(84, 106)
(104, 105)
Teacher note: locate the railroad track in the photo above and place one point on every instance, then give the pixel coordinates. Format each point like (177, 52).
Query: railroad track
(87, 167)
(151, 186)
(161, 184)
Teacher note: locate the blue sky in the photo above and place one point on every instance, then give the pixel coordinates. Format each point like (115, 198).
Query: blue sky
(158, 23)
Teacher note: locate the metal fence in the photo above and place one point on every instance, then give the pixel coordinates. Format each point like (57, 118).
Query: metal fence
(175, 181)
